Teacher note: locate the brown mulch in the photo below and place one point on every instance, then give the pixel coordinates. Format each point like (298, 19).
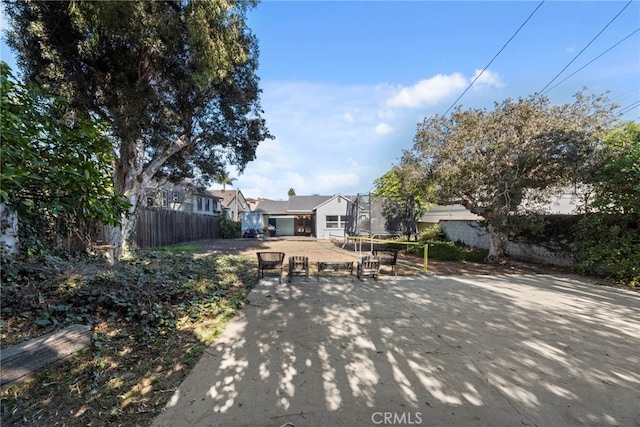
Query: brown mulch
(324, 250)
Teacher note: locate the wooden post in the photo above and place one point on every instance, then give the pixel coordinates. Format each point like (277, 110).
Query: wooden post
(426, 255)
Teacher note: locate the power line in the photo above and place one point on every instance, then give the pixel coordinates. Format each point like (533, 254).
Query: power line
(584, 48)
(628, 108)
(496, 55)
(588, 63)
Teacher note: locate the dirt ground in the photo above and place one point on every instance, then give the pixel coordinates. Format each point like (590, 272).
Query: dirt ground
(324, 250)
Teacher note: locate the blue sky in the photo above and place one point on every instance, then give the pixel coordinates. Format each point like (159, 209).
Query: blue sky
(345, 83)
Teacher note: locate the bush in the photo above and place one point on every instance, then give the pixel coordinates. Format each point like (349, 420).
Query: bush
(431, 232)
(450, 251)
(613, 251)
(228, 229)
(608, 239)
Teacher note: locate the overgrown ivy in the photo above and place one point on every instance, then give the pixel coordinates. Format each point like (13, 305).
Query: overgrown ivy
(149, 293)
(56, 166)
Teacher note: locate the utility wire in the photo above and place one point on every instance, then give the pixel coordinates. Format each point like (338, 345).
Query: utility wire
(584, 48)
(628, 108)
(588, 63)
(493, 59)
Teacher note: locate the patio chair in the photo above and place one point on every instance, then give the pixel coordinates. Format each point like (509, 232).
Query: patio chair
(270, 261)
(368, 266)
(299, 266)
(387, 257)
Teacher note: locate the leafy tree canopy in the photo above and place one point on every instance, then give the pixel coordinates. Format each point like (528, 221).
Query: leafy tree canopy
(495, 162)
(56, 163)
(407, 195)
(176, 81)
(615, 211)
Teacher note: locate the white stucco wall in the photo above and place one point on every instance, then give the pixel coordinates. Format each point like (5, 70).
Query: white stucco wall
(472, 234)
(334, 206)
(468, 232)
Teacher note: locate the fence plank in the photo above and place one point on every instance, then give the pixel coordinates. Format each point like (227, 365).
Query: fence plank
(162, 227)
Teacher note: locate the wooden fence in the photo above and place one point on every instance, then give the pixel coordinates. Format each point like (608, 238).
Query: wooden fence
(162, 227)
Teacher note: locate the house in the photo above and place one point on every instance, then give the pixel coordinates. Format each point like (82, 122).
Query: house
(185, 196)
(233, 203)
(452, 212)
(320, 216)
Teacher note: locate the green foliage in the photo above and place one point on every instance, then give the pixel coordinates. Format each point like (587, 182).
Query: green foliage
(228, 229)
(56, 165)
(176, 81)
(609, 233)
(152, 292)
(494, 161)
(553, 232)
(432, 232)
(407, 192)
(449, 251)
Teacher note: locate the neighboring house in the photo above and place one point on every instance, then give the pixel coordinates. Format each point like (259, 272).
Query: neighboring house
(439, 213)
(185, 197)
(567, 202)
(319, 216)
(233, 203)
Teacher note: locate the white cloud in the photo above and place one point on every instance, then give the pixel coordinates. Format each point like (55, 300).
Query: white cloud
(383, 129)
(324, 139)
(428, 92)
(487, 79)
(330, 182)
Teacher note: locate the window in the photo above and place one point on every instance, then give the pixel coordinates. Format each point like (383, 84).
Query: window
(336, 221)
(207, 205)
(198, 203)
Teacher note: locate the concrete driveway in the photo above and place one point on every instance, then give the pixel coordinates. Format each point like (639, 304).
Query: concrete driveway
(538, 350)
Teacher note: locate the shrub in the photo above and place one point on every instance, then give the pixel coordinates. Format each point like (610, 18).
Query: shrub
(430, 233)
(228, 229)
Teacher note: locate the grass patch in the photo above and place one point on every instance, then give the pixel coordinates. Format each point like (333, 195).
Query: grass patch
(178, 249)
(152, 316)
(450, 251)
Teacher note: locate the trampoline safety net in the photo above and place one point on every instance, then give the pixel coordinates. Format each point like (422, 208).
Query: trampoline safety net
(368, 215)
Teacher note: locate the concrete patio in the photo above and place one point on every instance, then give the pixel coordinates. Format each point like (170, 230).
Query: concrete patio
(544, 350)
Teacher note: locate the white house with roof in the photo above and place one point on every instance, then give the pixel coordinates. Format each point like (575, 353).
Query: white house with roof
(318, 216)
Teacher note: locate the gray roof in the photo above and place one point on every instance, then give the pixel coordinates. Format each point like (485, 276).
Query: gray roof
(295, 204)
(272, 206)
(305, 203)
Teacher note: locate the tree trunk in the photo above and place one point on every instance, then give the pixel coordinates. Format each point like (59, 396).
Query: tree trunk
(131, 180)
(497, 246)
(121, 235)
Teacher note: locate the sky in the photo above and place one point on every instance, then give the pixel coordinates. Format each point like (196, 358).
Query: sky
(345, 83)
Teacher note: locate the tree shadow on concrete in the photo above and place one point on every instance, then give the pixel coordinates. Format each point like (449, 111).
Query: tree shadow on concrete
(432, 350)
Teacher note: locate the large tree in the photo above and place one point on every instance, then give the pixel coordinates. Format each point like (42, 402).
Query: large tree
(176, 81)
(501, 162)
(407, 195)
